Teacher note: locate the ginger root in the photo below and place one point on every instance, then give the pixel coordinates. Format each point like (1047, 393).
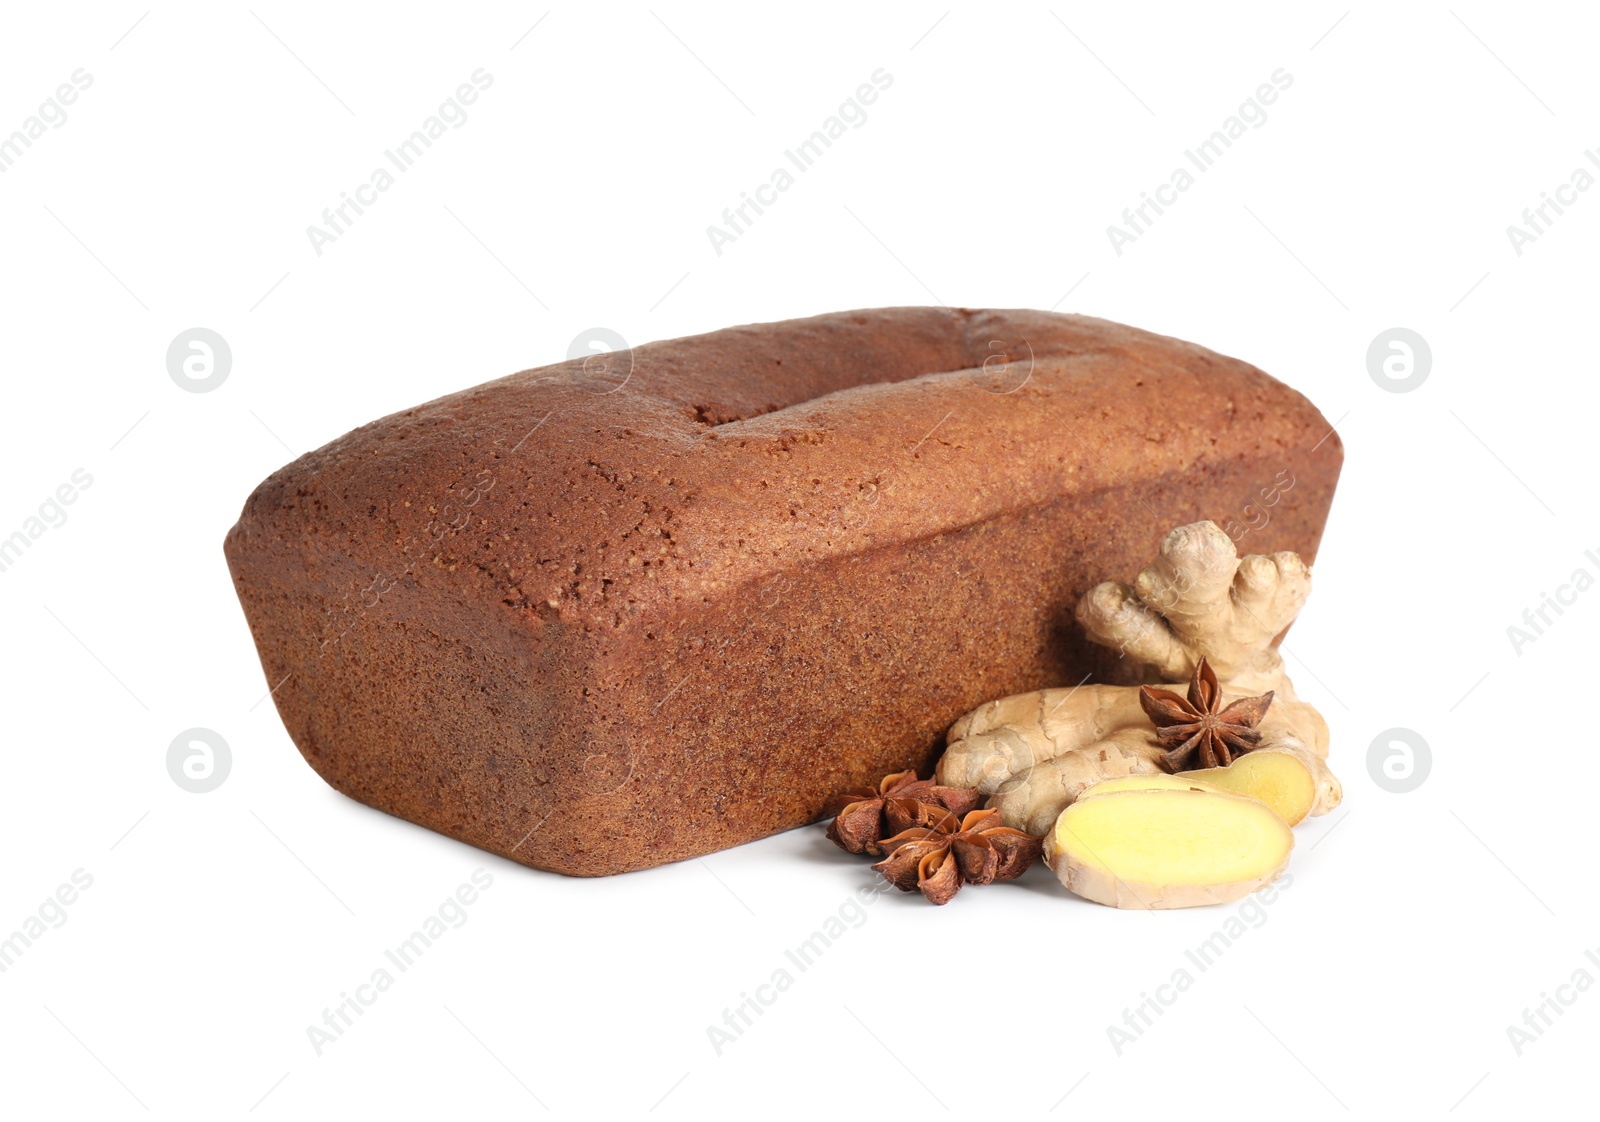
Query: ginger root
(1167, 848)
(1292, 781)
(1035, 754)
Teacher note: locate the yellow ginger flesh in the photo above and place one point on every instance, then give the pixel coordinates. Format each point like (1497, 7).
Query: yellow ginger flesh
(1167, 848)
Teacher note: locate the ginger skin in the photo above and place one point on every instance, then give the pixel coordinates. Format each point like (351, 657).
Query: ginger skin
(1035, 753)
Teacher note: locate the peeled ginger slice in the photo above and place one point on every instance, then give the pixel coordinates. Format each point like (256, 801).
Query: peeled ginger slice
(1167, 848)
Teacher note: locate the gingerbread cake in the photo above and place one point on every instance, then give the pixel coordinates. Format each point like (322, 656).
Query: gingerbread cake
(627, 610)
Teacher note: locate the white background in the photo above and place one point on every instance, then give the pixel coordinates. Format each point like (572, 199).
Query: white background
(1418, 926)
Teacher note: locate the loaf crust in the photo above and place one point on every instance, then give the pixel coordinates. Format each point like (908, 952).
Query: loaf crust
(603, 615)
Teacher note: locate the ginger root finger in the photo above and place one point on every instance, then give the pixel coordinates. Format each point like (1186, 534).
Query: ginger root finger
(987, 760)
(1113, 616)
(1004, 738)
(1167, 849)
(1070, 716)
(1035, 798)
(1200, 598)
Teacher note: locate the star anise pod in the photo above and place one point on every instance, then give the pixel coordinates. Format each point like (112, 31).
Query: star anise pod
(1187, 726)
(938, 861)
(902, 802)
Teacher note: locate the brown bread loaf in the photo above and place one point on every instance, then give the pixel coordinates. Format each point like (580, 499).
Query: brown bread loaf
(603, 615)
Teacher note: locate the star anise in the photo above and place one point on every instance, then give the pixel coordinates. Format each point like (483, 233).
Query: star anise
(938, 861)
(1196, 724)
(902, 802)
